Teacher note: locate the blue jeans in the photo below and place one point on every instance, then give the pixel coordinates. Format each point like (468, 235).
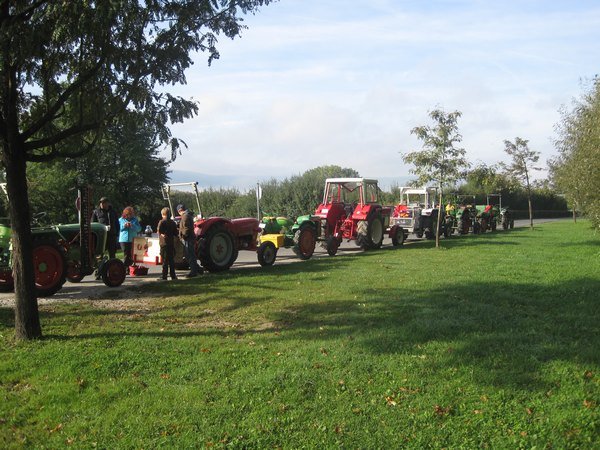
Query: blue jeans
(190, 255)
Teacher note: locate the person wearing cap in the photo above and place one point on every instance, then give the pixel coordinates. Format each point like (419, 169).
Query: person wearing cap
(106, 215)
(187, 236)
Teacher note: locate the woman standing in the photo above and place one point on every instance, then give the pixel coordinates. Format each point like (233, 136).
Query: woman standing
(130, 227)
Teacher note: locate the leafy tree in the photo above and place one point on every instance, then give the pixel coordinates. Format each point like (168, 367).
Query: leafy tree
(68, 69)
(125, 167)
(484, 179)
(439, 162)
(576, 171)
(523, 160)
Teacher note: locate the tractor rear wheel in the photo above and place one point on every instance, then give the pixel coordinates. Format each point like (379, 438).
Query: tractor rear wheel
(398, 237)
(332, 244)
(369, 233)
(267, 252)
(113, 272)
(216, 249)
(50, 266)
(304, 242)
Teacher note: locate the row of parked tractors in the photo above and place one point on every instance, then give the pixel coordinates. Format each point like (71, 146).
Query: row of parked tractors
(350, 211)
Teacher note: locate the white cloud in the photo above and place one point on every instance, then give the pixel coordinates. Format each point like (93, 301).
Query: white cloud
(313, 83)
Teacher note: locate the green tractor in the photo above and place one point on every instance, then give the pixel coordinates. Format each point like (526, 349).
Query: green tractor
(278, 232)
(63, 252)
(465, 215)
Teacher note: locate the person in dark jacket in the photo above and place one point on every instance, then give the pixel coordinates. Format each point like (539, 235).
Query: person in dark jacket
(106, 215)
(167, 233)
(186, 234)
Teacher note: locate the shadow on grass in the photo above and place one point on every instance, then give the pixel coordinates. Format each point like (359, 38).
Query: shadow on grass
(7, 318)
(505, 333)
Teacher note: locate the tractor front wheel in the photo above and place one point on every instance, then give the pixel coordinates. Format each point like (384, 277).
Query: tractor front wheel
(113, 272)
(398, 237)
(216, 249)
(304, 242)
(267, 252)
(50, 266)
(74, 274)
(7, 283)
(332, 245)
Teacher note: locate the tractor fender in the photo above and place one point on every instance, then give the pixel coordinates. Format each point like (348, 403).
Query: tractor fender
(305, 221)
(202, 226)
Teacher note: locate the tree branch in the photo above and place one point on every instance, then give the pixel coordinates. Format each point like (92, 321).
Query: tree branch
(58, 137)
(51, 113)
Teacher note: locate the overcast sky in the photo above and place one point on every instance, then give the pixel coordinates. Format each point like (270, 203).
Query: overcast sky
(319, 82)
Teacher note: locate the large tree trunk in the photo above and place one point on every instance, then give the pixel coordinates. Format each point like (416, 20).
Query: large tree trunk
(27, 319)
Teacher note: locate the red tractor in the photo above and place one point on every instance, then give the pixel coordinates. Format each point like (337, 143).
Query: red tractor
(218, 239)
(350, 210)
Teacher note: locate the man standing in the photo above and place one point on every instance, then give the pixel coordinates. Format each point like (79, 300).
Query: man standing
(167, 232)
(106, 215)
(186, 233)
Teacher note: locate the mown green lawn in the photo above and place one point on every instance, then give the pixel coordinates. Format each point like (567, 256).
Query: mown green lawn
(492, 341)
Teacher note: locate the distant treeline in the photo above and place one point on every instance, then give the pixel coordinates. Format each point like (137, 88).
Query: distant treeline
(301, 194)
(289, 197)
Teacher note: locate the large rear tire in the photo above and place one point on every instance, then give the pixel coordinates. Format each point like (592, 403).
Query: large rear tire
(369, 233)
(50, 266)
(216, 249)
(305, 240)
(267, 253)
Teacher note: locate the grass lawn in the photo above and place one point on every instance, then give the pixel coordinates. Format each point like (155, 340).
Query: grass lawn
(492, 341)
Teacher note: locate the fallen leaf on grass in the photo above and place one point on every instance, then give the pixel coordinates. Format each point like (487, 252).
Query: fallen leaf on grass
(477, 411)
(441, 411)
(205, 350)
(588, 374)
(391, 401)
(56, 428)
(165, 376)
(529, 411)
(589, 404)
(323, 351)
